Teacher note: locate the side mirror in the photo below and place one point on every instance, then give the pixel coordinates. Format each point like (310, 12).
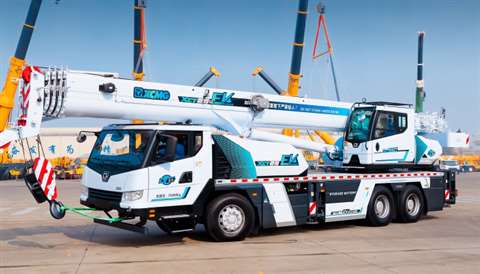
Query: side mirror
(81, 137)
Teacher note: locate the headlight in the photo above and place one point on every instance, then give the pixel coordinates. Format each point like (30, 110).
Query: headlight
(132, 196)
(83, 193)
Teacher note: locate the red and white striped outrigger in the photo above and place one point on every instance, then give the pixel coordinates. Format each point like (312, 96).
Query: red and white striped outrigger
(45, 175)
(25, 92)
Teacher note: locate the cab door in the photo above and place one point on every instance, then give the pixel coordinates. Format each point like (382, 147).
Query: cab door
(392, 138)
(177, 181)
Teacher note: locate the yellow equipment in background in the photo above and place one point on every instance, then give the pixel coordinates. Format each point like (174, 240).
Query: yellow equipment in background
(462, 159)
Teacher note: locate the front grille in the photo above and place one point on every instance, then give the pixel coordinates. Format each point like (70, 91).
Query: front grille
(105, 195)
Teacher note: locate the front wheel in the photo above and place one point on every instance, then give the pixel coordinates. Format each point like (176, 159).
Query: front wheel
(380, 208)
(229, 217)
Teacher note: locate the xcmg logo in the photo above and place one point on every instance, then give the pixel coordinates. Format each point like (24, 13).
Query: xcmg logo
(289, 160)
(152, 94)
(286, 160)
(166, 180)
(222, 98)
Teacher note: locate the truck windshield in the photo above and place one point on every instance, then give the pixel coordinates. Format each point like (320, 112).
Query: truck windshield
(359, 127)
(117, 151)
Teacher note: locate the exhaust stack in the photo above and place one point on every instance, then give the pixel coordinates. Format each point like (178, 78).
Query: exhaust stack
(420, 93)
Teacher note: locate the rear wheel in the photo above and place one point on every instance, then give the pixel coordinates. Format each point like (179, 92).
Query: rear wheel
(380, 208)
(229, 217)
(411, 204)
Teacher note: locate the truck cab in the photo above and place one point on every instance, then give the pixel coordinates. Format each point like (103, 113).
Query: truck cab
(382, 134)
(133, 168)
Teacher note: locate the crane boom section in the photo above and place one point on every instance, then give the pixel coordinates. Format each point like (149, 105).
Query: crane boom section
(87, 95)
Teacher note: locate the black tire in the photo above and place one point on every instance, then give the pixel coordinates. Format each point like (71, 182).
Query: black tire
(238, 208)
(410, 204)
(376, 214)
(56, 210)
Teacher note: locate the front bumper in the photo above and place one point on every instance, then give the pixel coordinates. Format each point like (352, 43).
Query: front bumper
(105, 205)
(101, 204)
(109, 200)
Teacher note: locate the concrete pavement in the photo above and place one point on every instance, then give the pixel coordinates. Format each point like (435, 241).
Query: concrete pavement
(32, 242)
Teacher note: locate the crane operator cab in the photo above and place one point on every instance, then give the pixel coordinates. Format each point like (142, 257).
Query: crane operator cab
(147, 163)
(383, 134)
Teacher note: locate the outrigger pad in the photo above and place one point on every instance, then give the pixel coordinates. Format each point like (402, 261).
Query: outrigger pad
(40, 180)
(33, 185)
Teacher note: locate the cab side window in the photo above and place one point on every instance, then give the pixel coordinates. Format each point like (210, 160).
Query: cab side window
(181, 147)
(389, 124)
(402, 122)
(160, 151)
(188, 144)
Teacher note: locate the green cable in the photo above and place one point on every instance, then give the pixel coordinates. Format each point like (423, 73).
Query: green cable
(78, 210)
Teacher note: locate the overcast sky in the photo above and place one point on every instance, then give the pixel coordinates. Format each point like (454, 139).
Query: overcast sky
(375, 45)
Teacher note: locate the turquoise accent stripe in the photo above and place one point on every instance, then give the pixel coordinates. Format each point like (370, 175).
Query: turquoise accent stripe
(398, 160)
(183, 196)
(239, 158)
(421, 148)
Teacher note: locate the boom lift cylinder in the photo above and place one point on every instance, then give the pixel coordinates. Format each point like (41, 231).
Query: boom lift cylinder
(211, 72)
(261, 72)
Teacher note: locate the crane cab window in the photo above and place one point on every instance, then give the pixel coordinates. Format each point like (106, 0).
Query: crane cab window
(358, 129)
(389, 124)
(117, 151)
(187, 145)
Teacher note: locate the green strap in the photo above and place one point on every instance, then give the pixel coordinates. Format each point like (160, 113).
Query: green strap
(78, 210)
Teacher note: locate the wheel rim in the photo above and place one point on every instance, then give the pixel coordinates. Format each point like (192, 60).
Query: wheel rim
(382, 206)
(413, 204)
(231, 219)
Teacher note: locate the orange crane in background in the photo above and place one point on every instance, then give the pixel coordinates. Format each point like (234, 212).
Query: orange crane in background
(17, 62)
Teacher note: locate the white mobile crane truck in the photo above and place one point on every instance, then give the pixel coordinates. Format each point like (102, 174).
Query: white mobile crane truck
(213, 166)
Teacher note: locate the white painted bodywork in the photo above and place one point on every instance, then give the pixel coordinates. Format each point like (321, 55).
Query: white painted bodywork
(357, 209)
(34, 113)
(271, 152)
(85, 100)
(282, 208)
(176, 194)
(156, 194)
(395, 149)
